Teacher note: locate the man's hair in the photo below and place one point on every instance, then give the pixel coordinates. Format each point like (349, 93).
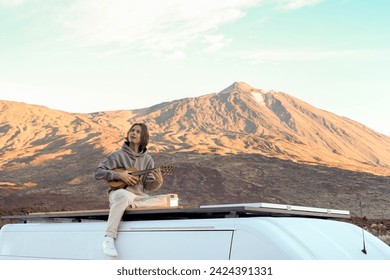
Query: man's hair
(144, 136)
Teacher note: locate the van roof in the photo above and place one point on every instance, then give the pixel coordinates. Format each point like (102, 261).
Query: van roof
(203, 211)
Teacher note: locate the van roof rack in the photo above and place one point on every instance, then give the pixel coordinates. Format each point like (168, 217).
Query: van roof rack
(201, 212)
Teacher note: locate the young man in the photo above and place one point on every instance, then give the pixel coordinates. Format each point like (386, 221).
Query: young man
(132, 154)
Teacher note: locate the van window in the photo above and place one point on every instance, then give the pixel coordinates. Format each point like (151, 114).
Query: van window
(185, 244)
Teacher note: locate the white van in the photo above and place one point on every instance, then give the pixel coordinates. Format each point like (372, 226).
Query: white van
(222, 232)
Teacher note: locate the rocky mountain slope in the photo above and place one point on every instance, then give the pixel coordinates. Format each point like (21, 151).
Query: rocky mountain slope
(239, 145)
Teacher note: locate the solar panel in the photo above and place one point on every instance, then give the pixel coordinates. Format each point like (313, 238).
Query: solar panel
(201, 212)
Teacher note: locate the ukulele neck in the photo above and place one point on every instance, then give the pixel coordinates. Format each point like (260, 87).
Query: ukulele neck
(141, 172)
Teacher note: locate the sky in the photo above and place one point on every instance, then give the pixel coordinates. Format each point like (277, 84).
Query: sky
(84, 56)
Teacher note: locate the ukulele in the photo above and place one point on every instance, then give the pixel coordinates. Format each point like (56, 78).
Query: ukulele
(165, 170)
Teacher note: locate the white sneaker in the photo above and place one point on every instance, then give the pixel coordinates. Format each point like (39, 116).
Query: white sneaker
(109, 247)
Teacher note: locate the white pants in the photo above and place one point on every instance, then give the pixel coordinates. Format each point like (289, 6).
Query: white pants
(122, 199)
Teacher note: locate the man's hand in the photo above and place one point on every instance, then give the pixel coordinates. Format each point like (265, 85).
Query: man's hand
(158, 175)
(130, 180)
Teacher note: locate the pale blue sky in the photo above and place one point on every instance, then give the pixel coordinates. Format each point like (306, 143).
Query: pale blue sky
(87, 56)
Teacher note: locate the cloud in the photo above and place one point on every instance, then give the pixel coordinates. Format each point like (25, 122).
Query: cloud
(165, 26)
(176, 55)
(11, 2)
(215, 42)
(296, 4)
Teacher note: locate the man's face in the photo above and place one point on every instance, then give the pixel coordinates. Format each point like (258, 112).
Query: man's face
(135, 134)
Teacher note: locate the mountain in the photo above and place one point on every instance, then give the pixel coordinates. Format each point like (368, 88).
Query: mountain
(239, 145)
(242, 119)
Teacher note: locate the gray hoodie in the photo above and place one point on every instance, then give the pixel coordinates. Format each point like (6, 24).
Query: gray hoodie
(125, 158)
